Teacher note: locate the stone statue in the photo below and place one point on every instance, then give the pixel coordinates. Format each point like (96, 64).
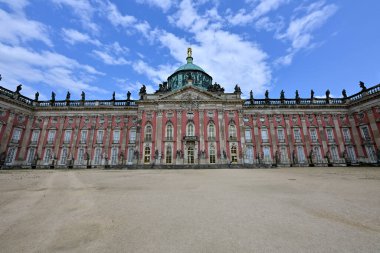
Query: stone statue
(83, 95)
(361, 84)
(113, 96)
(189, 52)
(312, 94)
(237, 89)
(18, 88)
(142, 91)
(266, 94)
(298, 99)
(251, 95)
(344, 93)
(282, 95)
(68, 95)
(36, 96)
(52, 96)
(1, 77)
(327, 94)
(128, 95)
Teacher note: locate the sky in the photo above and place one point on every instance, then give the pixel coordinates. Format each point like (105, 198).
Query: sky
(102, 46)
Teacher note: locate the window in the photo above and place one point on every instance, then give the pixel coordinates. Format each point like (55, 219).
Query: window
(35, 135)
(264, 135)
(365, 133)
(249, 154)
(16, 135)
(330, 136)
(47, 156)
(247, 134)
(148, 133)
(190, 130)
(300, 154)
(169, 132)
(280, 135)
(267, 156)
(190, 155)
(147, 155)
(211, 131)
(98, 154)
(371, 154)
(99, 136)
(83, 136)
(51, 136)
(64, 156)
(31, 153)
(346, 135)
(114, 152)
(297, 135)
(130, 155)
(283, 154)
(313, 135)
(132, 135)
(67, 136)
(234, 154)
(334, 153)
(351, 153)
(116, 136)
(317, 154)
(81, 155)
(232, 131)
(168, 156)
(10, 155)
(212, 154)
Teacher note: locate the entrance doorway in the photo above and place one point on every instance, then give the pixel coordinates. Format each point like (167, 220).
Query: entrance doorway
(190, 155)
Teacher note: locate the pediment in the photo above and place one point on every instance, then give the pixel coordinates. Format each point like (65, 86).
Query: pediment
(190, 93)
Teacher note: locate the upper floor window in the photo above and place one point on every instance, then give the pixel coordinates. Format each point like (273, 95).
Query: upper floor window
(148, 132)
(169, 131)
(132, 135)
(232, 131)
(35, 135)
(264, 134)
(83, 136)
(346, 134)
(313, 134)
(247, 134)
(280, 134)
(297, 134)
(51, 136)
(211, 131)
(116, 136)
(190, 130)
(67, 136)
(99, 136)
(16, 135)
(330, 135)
(365, 133)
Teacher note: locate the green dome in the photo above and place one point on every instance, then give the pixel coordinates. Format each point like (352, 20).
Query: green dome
(189, 74)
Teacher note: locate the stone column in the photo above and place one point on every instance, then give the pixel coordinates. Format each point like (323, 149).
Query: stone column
(41, 141)
(159, 137)
(306, 139)
(7, 132)
(179, 160)
(73, 148)
(339, 137)
(25, 140)
(356, 137)
(61, 123)
(373, 124)
(201, 134)
(222, 141)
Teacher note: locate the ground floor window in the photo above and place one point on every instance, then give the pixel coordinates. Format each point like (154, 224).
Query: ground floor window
(334, 153)
(249, 154)
(64, 156)
(212, 154)
(98, 156)
(351, 153)
(300, 154)
(114, 156)
(31, 154)
(147, 155)
(130, 155)
(47, 155)
(317, 154)
(190, 155)
(266, 151)
(283, 154)
(371, 154)
(234, 154)
(168, 156)
(11, 155)
(80, 155)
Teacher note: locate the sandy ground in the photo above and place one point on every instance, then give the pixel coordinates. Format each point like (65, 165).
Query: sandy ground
(282, 210)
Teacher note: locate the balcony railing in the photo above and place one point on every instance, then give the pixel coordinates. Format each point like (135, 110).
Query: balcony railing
(190, 138)
(15, 141)
(211, 138)
(116, 141)
(169, 139)
(148, 138)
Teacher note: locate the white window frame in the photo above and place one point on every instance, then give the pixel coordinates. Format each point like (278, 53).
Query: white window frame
(248, 135)
(264, 135)
(16, 134)
(83, 136)
(297, 134)
(281, 134)
(346, 134)
(232, 131)
(64, 152)
(313, 135)
(11, 155)
(99, 136)
(35, 136)
(132, 135)
(67, 136)
(114, 154)
(116, 136)
(190, 129)
(51, 136)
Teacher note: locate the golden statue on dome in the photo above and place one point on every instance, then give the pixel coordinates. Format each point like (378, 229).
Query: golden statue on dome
(189, 52)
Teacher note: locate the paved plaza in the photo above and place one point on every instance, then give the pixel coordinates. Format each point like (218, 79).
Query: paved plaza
(258, 210)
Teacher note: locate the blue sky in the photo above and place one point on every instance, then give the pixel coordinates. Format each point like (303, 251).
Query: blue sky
(101, 46)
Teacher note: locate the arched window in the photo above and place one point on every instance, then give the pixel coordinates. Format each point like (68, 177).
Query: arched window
(98, 154)
(114, 152)
(147, 155)
(168, 154)
(64, 156)
(249, 154)
(211, 131)
(169, 132)
(190, 155)
(190, 129)
(212, 154)
(233, 154)
(148, 133)
(232, 130)
(132, 135)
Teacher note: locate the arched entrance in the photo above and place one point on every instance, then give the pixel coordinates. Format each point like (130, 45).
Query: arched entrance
(190, 155)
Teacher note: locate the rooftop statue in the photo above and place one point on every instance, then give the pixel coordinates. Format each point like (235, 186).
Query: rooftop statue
(128, 95)
(189, 52)
(312, 94)
(282, 95)
(344, 93)
(251, 95)
(68, 95)
(266, 94)
(237, 89)
(18, 88)
(83, 95)
(327, 94)
(36, 96)
(52, 97)
(113, 96)
(361, 84)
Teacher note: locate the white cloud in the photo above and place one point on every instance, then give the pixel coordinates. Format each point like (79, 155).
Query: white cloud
(16, 29)
(83, 9)
(48, 68)
(73, 36)
(163, 4)
(16, 5)
(157, 75)
(299, 31)
(244, 17)
(109, 59)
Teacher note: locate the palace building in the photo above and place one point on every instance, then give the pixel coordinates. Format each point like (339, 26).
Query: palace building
(190, 121)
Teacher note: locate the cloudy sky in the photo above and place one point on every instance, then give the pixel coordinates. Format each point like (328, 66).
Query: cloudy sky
(101, 46)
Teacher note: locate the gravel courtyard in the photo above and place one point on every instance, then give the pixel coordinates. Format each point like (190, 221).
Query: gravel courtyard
(279, 210)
